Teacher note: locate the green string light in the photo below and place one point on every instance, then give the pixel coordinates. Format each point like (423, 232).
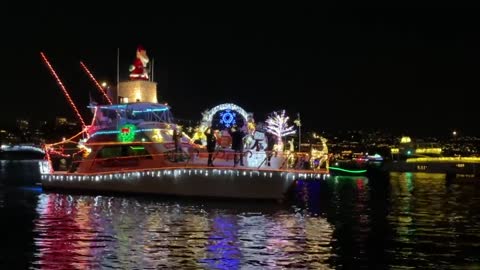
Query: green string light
(345, 170)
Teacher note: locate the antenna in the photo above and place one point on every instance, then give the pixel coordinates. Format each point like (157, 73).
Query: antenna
(118, 73)
(153, 64)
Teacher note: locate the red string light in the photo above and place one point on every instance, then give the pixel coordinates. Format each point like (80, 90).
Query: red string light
(59, 82)
(95, 82)
(94, 116)
(49, 160)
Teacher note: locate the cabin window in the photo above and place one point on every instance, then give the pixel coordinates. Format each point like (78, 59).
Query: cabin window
(114, 151)
(139, 150)
(122, 99)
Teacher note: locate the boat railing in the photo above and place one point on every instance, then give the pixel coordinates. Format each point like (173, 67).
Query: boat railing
(197, 153)
(268, 155)
(291, 161)
(220, 153)
(306, 160)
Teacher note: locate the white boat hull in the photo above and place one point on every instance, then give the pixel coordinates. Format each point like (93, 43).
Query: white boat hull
(222, 183)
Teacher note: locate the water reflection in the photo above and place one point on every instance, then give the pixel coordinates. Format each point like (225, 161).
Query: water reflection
(404, 221)
(19, 172)
(343, 201)
(16, 215)
(65, 233)
(108, 232)
(223, 245)
(428, 214)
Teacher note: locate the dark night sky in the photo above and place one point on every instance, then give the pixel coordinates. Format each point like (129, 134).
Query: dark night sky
(406, 69)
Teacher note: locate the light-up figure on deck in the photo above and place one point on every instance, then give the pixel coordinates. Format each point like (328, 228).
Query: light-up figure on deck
(277, 124)
(139, 70)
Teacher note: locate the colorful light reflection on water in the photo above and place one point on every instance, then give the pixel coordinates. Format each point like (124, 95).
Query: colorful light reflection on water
(86, 231)
(405, 221)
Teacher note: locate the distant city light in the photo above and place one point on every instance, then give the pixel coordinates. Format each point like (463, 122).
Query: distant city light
(454, 133)
(104, 84)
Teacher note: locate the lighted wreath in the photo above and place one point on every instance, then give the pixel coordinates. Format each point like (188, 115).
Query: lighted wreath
(127, 133)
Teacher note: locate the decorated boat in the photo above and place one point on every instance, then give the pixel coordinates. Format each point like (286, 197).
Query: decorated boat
(137, 147)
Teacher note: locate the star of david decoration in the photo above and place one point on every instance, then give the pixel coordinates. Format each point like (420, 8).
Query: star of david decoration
(227, 118)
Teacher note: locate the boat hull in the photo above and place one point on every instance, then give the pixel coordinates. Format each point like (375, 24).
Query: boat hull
(221, 183)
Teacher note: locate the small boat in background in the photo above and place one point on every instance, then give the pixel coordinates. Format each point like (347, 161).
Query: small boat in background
(21, 152)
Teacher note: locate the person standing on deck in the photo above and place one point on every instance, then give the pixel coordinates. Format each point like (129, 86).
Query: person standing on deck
(211, 144)
(270, 143)
(237, 144)
(176, 142)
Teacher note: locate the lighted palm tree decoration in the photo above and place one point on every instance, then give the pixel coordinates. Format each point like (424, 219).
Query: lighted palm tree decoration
(277, 124)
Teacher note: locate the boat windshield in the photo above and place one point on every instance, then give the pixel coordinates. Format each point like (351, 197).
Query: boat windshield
(112, 116)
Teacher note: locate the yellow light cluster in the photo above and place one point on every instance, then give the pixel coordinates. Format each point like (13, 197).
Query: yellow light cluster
(428, 150)
(317, 153)
(86, 150)
(251, 126)
(405, 139)
(445, 159)
(157, 136)
(198, 135)
(395, 150)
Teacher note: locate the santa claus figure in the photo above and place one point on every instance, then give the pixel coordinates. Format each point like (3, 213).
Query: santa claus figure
(139, 70)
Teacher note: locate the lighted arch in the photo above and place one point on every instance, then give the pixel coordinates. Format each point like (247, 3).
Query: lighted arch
(208, 115)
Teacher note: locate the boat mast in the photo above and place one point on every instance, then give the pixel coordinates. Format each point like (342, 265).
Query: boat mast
(118, 73)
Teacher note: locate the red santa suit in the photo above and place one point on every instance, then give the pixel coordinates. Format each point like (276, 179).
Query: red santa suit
(138, 70)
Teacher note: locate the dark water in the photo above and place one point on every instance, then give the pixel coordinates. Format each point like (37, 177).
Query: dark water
(405, 221)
